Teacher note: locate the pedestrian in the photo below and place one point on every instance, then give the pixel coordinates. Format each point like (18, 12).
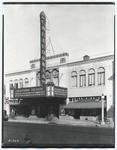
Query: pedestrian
(27, 139)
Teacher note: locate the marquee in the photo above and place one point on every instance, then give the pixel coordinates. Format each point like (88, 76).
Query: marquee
(40, 91)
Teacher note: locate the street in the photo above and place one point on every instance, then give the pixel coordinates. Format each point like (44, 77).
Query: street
(53, 135)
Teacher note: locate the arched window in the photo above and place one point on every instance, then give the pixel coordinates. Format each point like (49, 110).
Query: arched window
(55, 75)
(101, 76)
(62, 60)
(26, 81)
(16, 83)
(38, 78)
(32, 66)
(48, 76)
(21, 83)
(10, 84)
(91, 77)
(74, 79)
(82, 78)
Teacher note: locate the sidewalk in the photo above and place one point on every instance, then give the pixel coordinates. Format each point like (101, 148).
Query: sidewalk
(61, 121)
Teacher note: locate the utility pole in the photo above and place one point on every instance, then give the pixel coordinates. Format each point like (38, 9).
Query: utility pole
(102, 99)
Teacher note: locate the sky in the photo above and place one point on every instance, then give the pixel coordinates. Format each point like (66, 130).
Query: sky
(76, 29)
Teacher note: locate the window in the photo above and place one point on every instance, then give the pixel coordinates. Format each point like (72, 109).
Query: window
(70, 99)
(48, 76)
(21, 83)
(38, 78)
(82, 78)
(16, 83)
(91, 77)
(26, 81)
(11, 84)
(62, 60)
(74, 79)
(55, 75)
(101, 76)
(32, 66)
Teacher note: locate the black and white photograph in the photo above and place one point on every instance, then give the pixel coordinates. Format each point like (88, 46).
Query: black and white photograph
(58, 75)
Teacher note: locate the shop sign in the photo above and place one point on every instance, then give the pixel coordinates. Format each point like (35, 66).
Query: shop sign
(43, 48)
(60, 92)
(30, 92)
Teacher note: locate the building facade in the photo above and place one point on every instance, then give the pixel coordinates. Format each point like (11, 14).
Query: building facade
(86, 80)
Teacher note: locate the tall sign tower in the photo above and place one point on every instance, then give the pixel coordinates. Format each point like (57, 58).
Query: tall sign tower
(43, 48)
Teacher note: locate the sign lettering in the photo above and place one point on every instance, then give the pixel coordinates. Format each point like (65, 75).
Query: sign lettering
(60, 92)
(40, 91)
(43, 48)
(30, 92)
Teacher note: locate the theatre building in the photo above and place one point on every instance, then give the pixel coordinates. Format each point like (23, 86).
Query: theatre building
(27, 96)
(78, 87)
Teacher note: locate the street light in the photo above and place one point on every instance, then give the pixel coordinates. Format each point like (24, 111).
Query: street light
(102, 98)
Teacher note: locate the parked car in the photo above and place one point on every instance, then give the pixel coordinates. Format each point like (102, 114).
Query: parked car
(4, 115)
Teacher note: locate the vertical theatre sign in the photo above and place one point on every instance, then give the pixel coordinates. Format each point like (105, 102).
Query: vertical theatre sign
(43, 48)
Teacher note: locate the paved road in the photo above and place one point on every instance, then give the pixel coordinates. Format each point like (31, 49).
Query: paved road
(52, 135)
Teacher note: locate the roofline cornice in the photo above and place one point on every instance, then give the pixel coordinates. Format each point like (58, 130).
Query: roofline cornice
(104, 58)
(50, 57)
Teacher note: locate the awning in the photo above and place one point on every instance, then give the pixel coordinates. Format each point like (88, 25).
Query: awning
(112, 77)
(86, 105)
(110, 113)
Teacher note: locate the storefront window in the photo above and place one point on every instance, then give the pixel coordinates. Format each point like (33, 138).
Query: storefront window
(74, 79)
(55, 75)
(101, 76)
(82, 78)
(91, 77)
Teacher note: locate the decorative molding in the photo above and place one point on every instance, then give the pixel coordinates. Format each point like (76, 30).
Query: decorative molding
(104, 58)
(19, 72)
(51, 57)
(31, 70)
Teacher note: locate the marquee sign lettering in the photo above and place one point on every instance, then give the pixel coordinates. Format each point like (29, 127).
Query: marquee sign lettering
(30, 92)
(43, 48)
(40, 91)
(60, 92)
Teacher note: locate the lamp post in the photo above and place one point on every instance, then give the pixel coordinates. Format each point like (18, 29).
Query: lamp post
(102, 99)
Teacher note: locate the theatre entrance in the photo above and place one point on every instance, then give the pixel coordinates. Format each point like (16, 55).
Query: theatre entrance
(40, 107)
(46, 106)
(41, 101)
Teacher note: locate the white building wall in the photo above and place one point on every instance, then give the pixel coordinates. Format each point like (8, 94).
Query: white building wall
(31, 75)
(96, 90)
(63, 76)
